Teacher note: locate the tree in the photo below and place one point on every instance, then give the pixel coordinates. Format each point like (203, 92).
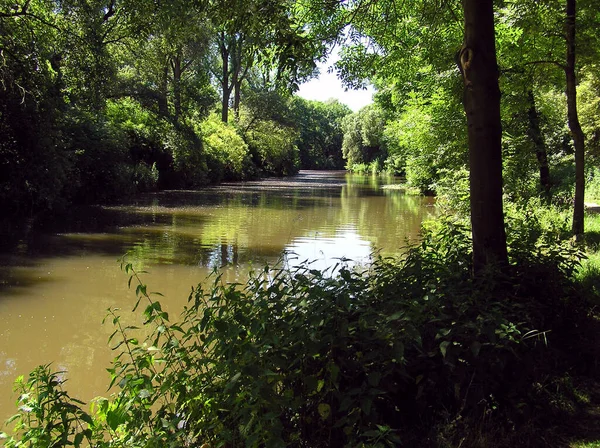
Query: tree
(574, 125)
(479, 69)
(169, 74)
(320, 133)
(268, 35)
(553, 29)
(390, 26)
(363, 136)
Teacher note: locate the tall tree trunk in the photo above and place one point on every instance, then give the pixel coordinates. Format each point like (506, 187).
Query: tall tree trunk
(535, 133)
(176, 65)
(236, 99)
(574, 125)
(236, 79)
(225, 87)
(163, 105)
(482, 106)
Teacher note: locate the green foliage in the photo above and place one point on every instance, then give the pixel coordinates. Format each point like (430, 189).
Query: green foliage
(273, 147)
(48, 416)
(588, 97)
(452, 190)
(363, 136)
(352, 143)
(592, 186)
(189, 159)
(320, 133)
(104, 171)
(428, 137)
(227, 153)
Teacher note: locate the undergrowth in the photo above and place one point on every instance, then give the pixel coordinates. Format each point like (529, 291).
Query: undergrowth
(411, 351)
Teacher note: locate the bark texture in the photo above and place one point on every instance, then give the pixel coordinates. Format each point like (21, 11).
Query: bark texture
(482, 106)
(573, 119)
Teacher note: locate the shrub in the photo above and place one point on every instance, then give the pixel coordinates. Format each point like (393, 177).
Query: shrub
(273, 148)
(227, 152)
(190, 167)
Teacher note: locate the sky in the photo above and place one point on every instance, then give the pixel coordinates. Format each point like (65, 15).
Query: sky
(327, 86)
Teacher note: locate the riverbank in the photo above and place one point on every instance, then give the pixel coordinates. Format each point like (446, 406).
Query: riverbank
(55, 286)
(410, 351)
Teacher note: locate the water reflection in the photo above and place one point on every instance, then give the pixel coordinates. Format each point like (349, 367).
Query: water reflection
(55, 287)
(345, 245)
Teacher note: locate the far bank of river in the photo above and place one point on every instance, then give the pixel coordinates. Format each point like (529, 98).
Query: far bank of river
(55, 288)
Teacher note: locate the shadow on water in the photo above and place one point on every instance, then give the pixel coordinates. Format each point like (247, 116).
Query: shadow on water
(15, 279)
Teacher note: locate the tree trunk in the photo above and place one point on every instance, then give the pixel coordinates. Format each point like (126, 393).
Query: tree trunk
(163, 105)
(535, 133)
(482, 106)
(176, 65)
(236, 99)
(236, 79)
(574, 125)
(225, 87)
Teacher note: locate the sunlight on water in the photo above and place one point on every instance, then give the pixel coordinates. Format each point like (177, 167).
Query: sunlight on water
(323, 251)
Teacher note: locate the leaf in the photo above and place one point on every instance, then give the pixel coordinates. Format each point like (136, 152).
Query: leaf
(395, 316)
(140, 290)
(324, 410)
(372, 433)
(320, 385)
(444, 347)
(114, 419)
(335, 371)
(78, 439)
(398, 351)
(311, 383)
(475, 348)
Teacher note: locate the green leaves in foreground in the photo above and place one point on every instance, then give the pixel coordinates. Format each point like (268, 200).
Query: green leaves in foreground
(48, 416)
(374, 357)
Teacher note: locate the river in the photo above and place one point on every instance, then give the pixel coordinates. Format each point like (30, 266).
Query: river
(55, 288)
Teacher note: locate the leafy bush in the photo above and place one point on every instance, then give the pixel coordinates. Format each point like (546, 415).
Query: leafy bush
(425, 137)
(190, 167)
(394, 165)
(48, 415)
(452, 190)
(273, 147)
(228, 156)
(104, 169)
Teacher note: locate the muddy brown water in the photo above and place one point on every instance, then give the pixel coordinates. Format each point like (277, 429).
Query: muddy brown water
(55, 288)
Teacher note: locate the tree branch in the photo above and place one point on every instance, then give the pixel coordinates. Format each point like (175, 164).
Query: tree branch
(22, 12)
(549, 61)
(111, 11)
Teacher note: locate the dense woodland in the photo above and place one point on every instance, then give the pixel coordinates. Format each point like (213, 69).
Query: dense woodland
(484, 334)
